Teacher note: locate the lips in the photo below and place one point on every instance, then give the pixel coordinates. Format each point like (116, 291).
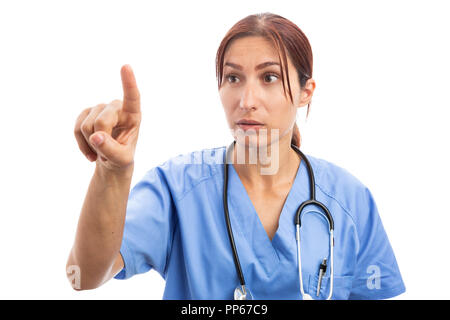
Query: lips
(249, 122)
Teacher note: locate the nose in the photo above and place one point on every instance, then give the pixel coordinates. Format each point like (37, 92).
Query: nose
(249, 97)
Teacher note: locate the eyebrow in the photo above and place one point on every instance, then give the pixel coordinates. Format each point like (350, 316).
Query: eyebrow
(259, 66)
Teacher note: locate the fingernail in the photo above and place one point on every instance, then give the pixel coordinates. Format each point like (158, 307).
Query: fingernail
(97, 139)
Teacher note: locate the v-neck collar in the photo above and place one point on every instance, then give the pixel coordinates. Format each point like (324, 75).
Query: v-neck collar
(249, 225)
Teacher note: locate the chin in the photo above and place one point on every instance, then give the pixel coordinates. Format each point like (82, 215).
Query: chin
(253, 141)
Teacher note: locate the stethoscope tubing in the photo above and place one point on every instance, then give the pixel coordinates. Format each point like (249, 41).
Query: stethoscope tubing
(230, 231)
(297, 221)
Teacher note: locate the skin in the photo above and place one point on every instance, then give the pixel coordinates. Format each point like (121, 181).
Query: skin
(258, 95)
(254, 95)
(95, 252)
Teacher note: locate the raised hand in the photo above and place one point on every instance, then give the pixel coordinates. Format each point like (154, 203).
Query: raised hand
(108, 133)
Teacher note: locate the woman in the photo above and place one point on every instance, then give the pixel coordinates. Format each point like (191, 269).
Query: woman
(173, 220)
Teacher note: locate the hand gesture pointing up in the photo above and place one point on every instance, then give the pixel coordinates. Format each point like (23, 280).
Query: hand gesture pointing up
(108, 133)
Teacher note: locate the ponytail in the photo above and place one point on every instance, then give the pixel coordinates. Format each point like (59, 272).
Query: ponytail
(296, 136)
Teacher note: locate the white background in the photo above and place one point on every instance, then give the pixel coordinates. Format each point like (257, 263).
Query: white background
(380, 110)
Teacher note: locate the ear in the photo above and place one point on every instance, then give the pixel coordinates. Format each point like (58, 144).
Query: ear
(307, 93)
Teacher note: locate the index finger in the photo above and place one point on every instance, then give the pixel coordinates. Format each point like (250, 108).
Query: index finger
(131, 96)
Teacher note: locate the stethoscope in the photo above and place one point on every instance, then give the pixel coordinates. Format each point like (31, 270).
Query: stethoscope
(242, 292)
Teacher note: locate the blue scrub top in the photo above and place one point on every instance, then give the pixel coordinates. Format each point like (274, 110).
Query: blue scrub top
(175, 224)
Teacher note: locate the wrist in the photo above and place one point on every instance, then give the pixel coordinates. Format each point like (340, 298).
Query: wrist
(115, 174)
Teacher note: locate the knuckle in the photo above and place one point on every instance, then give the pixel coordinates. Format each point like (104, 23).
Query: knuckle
(135, 97)
(81, 117)
(98, 108)
(84, 128)
(77, 129)
(100, 123)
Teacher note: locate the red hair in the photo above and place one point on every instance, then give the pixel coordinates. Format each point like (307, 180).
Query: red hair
(285, 36)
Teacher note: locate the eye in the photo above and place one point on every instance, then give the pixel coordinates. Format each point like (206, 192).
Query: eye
(230, 76)
(268, 75)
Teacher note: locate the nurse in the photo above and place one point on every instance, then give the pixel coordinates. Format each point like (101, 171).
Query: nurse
(173, 219)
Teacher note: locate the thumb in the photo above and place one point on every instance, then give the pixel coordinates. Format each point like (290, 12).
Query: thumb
(107, 146)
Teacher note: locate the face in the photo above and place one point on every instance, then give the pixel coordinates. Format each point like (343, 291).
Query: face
(252, 89)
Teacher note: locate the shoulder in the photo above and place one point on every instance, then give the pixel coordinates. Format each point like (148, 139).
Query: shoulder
(183, 172)
(339, 184)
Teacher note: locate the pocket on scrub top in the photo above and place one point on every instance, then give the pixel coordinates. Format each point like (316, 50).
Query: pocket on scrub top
(341, 287)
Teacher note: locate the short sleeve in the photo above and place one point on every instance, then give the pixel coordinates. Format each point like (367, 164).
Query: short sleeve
(149, 226)
(377, 275)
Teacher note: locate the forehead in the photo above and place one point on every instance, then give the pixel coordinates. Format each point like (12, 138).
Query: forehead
(251, 47)
(253, 50)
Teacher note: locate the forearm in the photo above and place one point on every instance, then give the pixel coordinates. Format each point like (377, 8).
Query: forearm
(100, 226)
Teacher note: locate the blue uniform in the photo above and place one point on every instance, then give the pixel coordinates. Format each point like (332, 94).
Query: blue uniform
(175, 224)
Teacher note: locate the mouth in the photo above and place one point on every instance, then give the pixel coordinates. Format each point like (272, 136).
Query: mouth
(249, 125)
(249, 122)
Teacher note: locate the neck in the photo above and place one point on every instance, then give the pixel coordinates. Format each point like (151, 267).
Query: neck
(266, 168)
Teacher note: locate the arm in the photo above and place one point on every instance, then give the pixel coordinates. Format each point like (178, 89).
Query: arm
(95, 252)
(107, 134)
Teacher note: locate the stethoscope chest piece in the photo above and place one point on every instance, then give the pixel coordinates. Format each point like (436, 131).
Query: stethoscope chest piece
(242, 293)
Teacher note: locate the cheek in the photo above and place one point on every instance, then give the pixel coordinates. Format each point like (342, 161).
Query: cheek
(281, 113)
(228, 105)
(277, 104)
(226, 98)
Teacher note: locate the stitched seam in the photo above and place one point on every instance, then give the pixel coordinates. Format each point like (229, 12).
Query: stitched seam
(177, 200)
(171, 247)
(176, 222)
(346, 211)
(193, 187)
(213, 172)
(343, 208)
